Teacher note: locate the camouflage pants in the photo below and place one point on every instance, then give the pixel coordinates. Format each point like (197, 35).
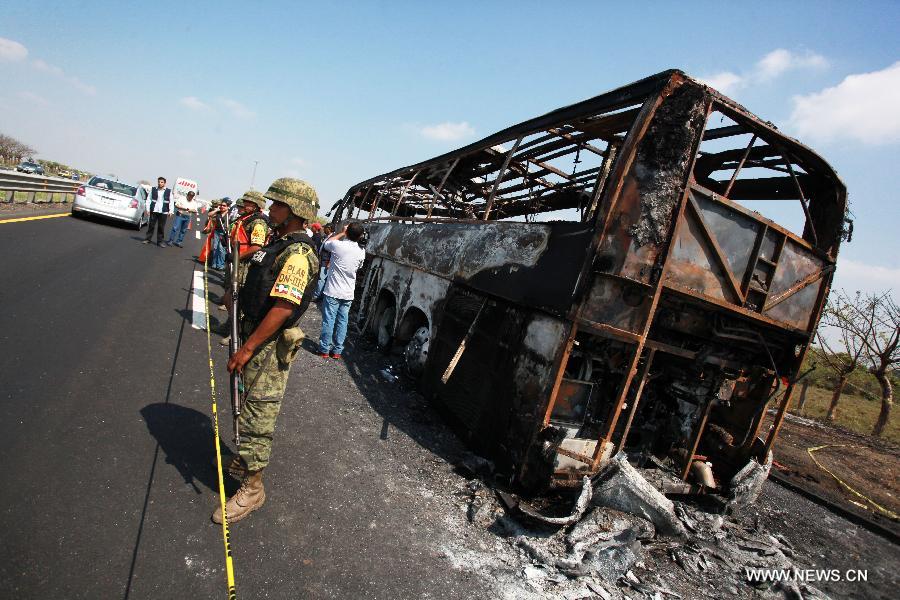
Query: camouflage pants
(265, 378)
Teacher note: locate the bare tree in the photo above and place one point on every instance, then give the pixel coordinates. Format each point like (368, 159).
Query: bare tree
(12, 150)
(839, 311)
(875, 320)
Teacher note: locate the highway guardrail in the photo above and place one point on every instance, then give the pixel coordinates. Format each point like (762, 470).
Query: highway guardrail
(21, 188)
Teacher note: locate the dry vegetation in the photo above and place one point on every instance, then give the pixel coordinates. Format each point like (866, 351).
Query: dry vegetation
(854, 412)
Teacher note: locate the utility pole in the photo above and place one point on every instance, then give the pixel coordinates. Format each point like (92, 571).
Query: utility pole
(253, 178)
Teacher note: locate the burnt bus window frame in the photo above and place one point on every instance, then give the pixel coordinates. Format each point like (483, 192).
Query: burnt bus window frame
(795, 174)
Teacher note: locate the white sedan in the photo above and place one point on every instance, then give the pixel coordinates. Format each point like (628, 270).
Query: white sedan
(113, 199)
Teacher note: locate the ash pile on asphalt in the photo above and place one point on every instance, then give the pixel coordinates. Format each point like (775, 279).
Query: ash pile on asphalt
(602, 552)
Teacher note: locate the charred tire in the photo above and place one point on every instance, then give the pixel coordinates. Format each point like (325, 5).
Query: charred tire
(384, 328)
(416, 352)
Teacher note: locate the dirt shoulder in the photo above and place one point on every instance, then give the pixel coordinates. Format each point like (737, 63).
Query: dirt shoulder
(864, 464)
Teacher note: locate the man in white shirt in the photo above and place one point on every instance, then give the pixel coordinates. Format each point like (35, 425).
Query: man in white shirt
(184, 208)
(160, 206)
(346, 258)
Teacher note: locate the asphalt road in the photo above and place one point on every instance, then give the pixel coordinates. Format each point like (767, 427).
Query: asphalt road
(107, 444)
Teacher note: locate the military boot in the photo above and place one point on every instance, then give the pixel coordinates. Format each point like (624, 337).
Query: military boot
(248, 498)
(237, 468)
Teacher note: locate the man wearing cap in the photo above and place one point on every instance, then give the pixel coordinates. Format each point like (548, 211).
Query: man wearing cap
(184, 208)
(250, 231)
(275, 294)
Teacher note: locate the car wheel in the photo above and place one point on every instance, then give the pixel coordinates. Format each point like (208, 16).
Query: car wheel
(384, 328)
(416, 352)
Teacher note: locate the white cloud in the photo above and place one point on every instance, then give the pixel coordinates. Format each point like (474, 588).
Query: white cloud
(193, 103)
(292, 173)
(46, 67)
(298, 161)
(780, 61)
(237, 109)
(852, 276)
(34, 98)
(725, 82)
(448, 132)
(41, 65)
(12, 51)
(862, 107)
(771, 66)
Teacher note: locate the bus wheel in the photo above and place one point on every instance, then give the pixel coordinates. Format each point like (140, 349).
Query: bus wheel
(416, 352)
(384, 328)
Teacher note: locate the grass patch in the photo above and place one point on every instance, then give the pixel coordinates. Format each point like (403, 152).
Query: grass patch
(854, 412)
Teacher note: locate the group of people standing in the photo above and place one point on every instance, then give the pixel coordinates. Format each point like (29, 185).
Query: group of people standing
(285, 260)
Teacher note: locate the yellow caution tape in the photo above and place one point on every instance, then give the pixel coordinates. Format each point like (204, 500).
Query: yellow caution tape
(226, 535)
(871, 502)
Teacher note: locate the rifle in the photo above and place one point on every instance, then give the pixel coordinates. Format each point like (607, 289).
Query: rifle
(237, 381)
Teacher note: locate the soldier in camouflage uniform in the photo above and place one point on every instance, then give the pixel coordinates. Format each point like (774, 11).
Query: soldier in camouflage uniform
(277, 290)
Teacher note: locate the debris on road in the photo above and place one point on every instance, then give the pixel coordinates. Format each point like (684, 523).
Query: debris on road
(624, 539)
(747, 484)
(623, 488)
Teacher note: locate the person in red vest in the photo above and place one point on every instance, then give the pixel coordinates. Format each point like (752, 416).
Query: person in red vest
(251, 231)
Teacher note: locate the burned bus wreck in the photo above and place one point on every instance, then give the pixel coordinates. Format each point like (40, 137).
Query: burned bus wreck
(597, 279)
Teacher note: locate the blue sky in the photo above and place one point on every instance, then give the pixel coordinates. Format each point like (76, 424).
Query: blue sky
(336, 93)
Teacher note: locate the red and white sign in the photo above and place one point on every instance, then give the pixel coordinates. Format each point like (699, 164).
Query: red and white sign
(183, 186)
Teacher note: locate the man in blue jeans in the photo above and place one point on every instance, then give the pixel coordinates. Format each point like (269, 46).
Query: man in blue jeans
(183, 211)
(324, 259)
(346, 258)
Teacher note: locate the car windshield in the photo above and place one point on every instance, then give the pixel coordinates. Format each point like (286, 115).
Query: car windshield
(29, 164)
(113, 186)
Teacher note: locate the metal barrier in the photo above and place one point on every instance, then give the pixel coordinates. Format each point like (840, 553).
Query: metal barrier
(21, 188)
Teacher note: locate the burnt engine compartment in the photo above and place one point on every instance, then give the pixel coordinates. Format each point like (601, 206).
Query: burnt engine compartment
(700, 393)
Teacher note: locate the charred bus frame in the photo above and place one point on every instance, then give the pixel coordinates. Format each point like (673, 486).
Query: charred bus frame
(660, 315)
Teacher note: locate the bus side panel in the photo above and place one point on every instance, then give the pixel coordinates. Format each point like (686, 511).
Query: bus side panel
(495, 391)
(535, 264)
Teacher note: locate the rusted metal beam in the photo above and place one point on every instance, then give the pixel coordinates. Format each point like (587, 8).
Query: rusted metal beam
(740, 165)
(602, 177)
(403, 193)
(717, 252)
(549, 168)
(754, 258)
(374, 204)
(560, 372)
(806, 281)
(499, 180)
(462, 345)
(809, 219)
(724, 132)
(645, 372)
(779, 418)
(755, 316)
(440, 188)
(363, 201)
(578, 139)
(606, 330)
(698, 435)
